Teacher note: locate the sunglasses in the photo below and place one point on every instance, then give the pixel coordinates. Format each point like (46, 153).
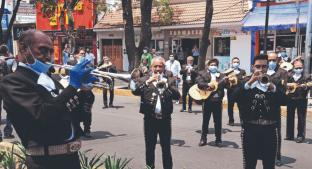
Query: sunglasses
(298, 68)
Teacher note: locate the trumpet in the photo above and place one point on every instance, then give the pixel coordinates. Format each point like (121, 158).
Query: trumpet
(102, 84)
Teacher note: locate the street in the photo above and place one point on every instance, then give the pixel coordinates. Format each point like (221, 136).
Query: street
(120, 131)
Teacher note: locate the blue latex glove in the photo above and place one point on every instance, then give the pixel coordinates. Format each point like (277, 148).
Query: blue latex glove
(78, 73)
(90, 79)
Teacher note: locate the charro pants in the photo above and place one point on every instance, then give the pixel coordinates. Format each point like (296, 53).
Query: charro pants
(152, 128)
(231, 103)
(111, 96)
(301, 106)
(65, 161)
(214, 108)
(259, 142)
(186, 88)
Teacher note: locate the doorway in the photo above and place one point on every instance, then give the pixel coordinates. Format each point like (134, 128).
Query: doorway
(188, 44)
(113, 49)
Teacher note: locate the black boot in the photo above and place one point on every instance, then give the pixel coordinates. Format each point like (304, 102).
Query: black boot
(203, 140)
(87, 133)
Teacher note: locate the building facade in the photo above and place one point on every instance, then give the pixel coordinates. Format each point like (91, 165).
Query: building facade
(84, 19)
(184, 31)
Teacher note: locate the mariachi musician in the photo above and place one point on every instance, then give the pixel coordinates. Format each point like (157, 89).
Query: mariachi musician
(257, 98)
(189, 74)
(239, 73)
(279, 77)
(213, 104)
(107, 66)
(297, 100)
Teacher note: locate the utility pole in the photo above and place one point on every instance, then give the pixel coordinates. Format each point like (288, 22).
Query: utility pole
(308, 41)
(266, 25)
(297, 30)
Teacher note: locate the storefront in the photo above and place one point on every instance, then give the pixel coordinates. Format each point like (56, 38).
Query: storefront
(84, 17)
(185, 31)
(282, 28)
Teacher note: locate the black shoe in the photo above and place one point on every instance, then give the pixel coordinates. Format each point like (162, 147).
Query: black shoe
(105, 107)
(231, 123)
(218, 143)
(182, 110)
(111, 105)
(289, 138)
(87, 134)
(9, 136)
(278, 163)
(190, 110)
(300, 140)
(203, 141)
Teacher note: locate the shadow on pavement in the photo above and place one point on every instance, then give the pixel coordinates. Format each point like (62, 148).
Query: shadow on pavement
(101, 135)
(224, 131)
(308, 141)
(176, 142)
(225, 144)
(287, 160)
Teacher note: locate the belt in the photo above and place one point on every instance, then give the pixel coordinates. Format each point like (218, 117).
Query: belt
(67, 148)
(158, 116)
(261, 122)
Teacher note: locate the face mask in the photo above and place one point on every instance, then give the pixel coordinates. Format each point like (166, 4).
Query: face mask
(171, 58)
(213, 69)
(272, 65)
(144, 51)
(38, 65)
(298, 71)
(284, 56)
(235, 65)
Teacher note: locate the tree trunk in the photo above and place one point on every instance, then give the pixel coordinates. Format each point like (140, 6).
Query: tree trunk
(205, 37)
(129, 33)
(146, 33)
(1, 15)
(15, 10)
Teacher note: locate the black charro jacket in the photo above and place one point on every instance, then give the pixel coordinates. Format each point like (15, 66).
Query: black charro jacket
(149, 94)
(40, 117)
(204, 78)
(193, 74)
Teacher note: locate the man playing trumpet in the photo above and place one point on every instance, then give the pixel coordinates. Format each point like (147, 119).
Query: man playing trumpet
(107, 66)
(189, 74)
(297, 100)
(257, 98)
(157, 92)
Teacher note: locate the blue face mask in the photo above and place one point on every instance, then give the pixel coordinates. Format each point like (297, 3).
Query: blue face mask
(284, 56)
(272, 65)
(235, 65)
(38, 65)
(298, 71)
(213, 69)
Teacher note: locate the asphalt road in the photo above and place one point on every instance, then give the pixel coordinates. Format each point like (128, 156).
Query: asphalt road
(120, 131)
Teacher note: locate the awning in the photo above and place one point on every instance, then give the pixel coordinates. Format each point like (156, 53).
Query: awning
(280, 17)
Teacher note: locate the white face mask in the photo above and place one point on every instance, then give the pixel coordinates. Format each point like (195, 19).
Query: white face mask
(171, 58)
(144, 51)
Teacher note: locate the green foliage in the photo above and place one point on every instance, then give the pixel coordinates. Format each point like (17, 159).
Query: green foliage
(92, 163)
(164, 11)
(112, 162)
(12, 159)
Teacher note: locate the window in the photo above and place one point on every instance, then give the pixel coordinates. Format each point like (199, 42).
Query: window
(158, 45)
(222, 46)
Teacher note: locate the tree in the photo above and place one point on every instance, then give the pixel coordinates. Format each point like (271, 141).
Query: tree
(134, 53)
(205, 37)
(5, 37)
